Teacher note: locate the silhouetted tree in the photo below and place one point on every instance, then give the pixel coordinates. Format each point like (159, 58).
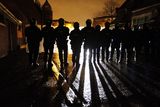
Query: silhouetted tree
(110, 6)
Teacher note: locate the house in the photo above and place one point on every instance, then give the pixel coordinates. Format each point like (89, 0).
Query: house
(14, 15)
(146, 12)
(138, 12)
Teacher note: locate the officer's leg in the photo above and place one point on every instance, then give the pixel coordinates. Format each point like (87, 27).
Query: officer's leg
(103, 52)
(129, 55)
(73, 56)
(30, 54)
(45, 54)
(50, 54)
(112, 52)
(60, 56)
(137, 49)
(118, 53)
(123, 52)
(36, 53)
(66, 55)
(78, 55)
(107, 52)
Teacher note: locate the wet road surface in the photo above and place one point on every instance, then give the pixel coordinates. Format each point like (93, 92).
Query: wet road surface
(111, 84)
(89, 84)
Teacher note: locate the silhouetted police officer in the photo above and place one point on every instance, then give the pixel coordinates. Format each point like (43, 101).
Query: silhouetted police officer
(62, 33)
(96, 42)
(116, 42)
(146, 41)
(106, 40)
(138, 42)
(124, 40)
(49, 36)
(33, 37)
(76, 42)
(88, 33)
(127, 43)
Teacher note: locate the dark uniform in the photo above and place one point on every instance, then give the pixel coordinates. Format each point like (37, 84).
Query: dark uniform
(96, 42)
(127, 40)
(62, 33)
(116, 42)
(88, 33)
(49, 36)
(76, 42)
(33, 35)
(106, 40)
(146, 41)
(138, 43)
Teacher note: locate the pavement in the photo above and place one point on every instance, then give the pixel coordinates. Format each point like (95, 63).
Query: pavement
(92, 84)
(20, 84)
(24, 86)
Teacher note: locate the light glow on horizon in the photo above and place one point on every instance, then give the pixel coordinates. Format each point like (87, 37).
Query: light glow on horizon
(77, 10)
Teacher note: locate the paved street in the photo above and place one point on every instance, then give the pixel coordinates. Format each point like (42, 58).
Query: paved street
(117, 85)
(91, 84)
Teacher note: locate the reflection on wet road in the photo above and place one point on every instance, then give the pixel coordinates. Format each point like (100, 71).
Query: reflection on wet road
(110, 84)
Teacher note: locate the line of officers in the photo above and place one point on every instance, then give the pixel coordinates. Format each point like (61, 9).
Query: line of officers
(129, 44)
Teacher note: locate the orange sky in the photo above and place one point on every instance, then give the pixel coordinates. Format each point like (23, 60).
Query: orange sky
(77, 10)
